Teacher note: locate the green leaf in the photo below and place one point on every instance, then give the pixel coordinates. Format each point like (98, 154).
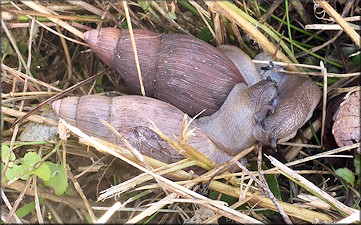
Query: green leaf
(58, 180)
(145, 4)
(5, 150)
(27, 208)
(226, 198)
(29, 160)
(42, 171)
(205, 35)
(23, 48)
(273, 185)
(271, 180)
(346, 174)
(356, 60)
(16, 171)
(171, 15)
(6, 47)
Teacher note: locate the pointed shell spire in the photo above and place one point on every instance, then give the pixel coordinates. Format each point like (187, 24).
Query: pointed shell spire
(66, 108)
(104, 42)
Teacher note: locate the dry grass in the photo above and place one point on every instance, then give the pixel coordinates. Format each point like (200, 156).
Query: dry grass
(47, 54)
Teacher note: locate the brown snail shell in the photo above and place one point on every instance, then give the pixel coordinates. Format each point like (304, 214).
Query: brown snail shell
(176, 68)
(131, 116)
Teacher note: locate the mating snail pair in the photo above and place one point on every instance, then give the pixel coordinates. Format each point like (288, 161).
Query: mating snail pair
(242, 107)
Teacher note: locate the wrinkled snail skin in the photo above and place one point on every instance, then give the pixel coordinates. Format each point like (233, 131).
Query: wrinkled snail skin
(298, 97)
(131, 116)
(176, 68)
(231, 127)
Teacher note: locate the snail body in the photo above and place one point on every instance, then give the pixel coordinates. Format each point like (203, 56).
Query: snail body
(297, 98)
(231, 127)
(243, 62)
(131, 115)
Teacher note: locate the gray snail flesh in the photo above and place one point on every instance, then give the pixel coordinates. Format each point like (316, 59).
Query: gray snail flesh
(297, 98)
(231, 127)
(131, 116)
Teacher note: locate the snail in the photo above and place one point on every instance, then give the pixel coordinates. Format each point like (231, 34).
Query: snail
(193, 75)
(188, 75)
(130, 115)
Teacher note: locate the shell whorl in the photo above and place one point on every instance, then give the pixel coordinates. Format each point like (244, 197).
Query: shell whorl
(103, 42)
(84, 112)
(130, 116)
(180, 69)
(66, 108)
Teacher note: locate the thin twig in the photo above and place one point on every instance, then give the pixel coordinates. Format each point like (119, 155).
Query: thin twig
(59, 95)
(355, 37)
(36, 198)
(309, 186)
(67, 54)
(267, 190)
(61, 23)
(7, 203)
(223, 210)
(18, 200)
(73, 202)
(324, 100)
(82, 195)
(16, 73)
(18, 53)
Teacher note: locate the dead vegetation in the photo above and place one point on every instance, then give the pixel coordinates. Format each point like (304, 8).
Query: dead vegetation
(307, 180)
